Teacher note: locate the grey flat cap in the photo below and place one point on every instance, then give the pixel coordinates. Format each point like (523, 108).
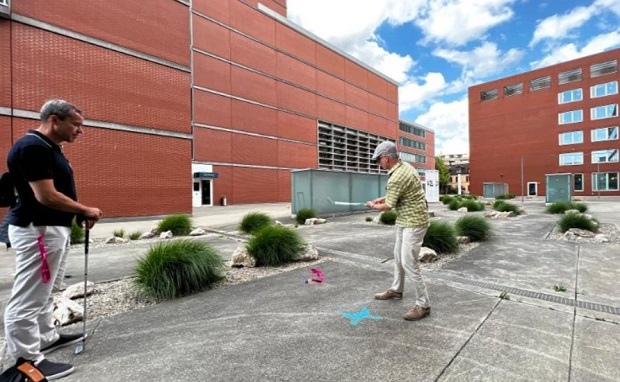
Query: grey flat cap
(386, 147)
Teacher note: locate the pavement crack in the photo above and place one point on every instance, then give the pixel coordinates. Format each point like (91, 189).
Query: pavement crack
(572, 337)
(467, 342)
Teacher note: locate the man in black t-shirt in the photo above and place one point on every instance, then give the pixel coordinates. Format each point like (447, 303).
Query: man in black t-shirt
(39, 231)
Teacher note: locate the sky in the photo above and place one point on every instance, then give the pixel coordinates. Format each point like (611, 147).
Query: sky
(436, 49)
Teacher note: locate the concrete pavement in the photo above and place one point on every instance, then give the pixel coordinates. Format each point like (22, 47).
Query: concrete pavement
(280, 329)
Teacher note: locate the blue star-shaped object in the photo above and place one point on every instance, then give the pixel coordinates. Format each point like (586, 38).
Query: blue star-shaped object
(357, 317)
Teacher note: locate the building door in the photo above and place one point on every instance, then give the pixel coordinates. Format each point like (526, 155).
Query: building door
(196, 194)
(532, 188)
(206, 192)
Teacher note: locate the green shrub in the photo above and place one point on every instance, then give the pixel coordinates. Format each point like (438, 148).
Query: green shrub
(507, 207)
(369, 219)
(498, 203)
(577, 221)
(388, 217)
(581, 207)
(506, 196)
(254, 221)
(558, 207)
(77, 233)
(454, 204)
(476, 228)
(472, 205)
(303, 214)
(180, 225)
(275, 245)
(446, 199)
(441, 237)
(119, 233)
(135, 235)
(177, 268)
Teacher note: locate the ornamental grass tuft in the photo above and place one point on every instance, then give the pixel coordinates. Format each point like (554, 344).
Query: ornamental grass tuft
(558, 207)
(303, 214)
(77, 233)
(275, 245)
(507, 207)
(388, 217)
(441, 237)
(476, 228)
(254, 221)
(472, 205)
(180, 225)
(577, 221)
(178, 268)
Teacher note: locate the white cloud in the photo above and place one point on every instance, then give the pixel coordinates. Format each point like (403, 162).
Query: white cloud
(450, 122)
(392, 65)
(480, 63)
(560, 26)
(556, 27)
(570, 51)
(412, 94)
(458, 22)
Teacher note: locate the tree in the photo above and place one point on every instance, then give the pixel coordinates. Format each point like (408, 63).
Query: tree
(444, 173)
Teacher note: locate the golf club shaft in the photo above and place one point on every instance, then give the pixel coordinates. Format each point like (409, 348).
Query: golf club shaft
(86, 244)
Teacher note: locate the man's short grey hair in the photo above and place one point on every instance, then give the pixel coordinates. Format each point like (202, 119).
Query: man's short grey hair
(59, 108)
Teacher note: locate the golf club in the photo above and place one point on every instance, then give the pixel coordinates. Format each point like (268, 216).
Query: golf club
(82, 345)
(343, 203)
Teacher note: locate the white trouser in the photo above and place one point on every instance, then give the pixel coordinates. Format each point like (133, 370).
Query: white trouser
(406, 251)
(28, 321)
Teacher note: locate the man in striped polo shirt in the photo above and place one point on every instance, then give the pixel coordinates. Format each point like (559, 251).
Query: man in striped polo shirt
(406, 196)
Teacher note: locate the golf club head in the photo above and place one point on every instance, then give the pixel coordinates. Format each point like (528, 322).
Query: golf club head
(79, 348)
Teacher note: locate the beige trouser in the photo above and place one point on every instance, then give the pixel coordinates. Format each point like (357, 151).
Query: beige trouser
(406, 251)
(28, 321)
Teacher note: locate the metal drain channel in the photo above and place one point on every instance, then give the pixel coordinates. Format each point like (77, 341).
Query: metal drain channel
(526, 293)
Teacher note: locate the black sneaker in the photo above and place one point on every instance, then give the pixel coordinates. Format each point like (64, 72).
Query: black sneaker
(52, 370)
(64, 340)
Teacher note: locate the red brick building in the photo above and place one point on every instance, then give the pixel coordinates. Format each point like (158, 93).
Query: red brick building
(222, 96)
(416, 145)
(558, 119)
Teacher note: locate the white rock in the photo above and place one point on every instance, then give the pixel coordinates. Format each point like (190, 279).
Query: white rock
(427, 255)
(77, 290)
(197, 232)
(310, 253)
(154, 229)
(241, 258)
(581, 232)
(600, 238)
(147, 235)
(277, 222)
(165, 235)
(115, 240)
(462, 210)
(66, 311)
(571, 212)
(463, 239)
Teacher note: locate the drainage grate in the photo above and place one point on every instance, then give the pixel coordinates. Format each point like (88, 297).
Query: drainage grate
(526, 293)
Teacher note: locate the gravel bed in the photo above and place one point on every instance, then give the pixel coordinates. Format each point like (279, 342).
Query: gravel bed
(111, 298)
(609, 230)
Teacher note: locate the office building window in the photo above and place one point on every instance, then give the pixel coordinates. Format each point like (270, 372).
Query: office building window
(513, 89)
(605, 134)
(602, 112)
(571, 138)
(570, 96)
(603, 90)
(605, 156)
(573, 116)
(578, 182)
(345, 149)
(571, 159)
(540, 83)
(604, 181)
(488, 95)
(569, 76)
(409, 157)
(597, 70)
(404, 141)
(408, 128)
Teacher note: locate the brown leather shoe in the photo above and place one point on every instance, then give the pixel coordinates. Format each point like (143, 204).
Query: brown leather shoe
(389, 295)
(417, 313)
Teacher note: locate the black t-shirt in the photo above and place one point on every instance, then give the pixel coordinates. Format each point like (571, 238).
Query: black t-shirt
(34, 157)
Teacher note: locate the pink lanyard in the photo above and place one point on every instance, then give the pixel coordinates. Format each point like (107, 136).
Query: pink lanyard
(45, 269)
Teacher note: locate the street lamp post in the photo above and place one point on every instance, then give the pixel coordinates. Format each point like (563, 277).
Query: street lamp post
(458, 180)
(598, 186)
(522, 192)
